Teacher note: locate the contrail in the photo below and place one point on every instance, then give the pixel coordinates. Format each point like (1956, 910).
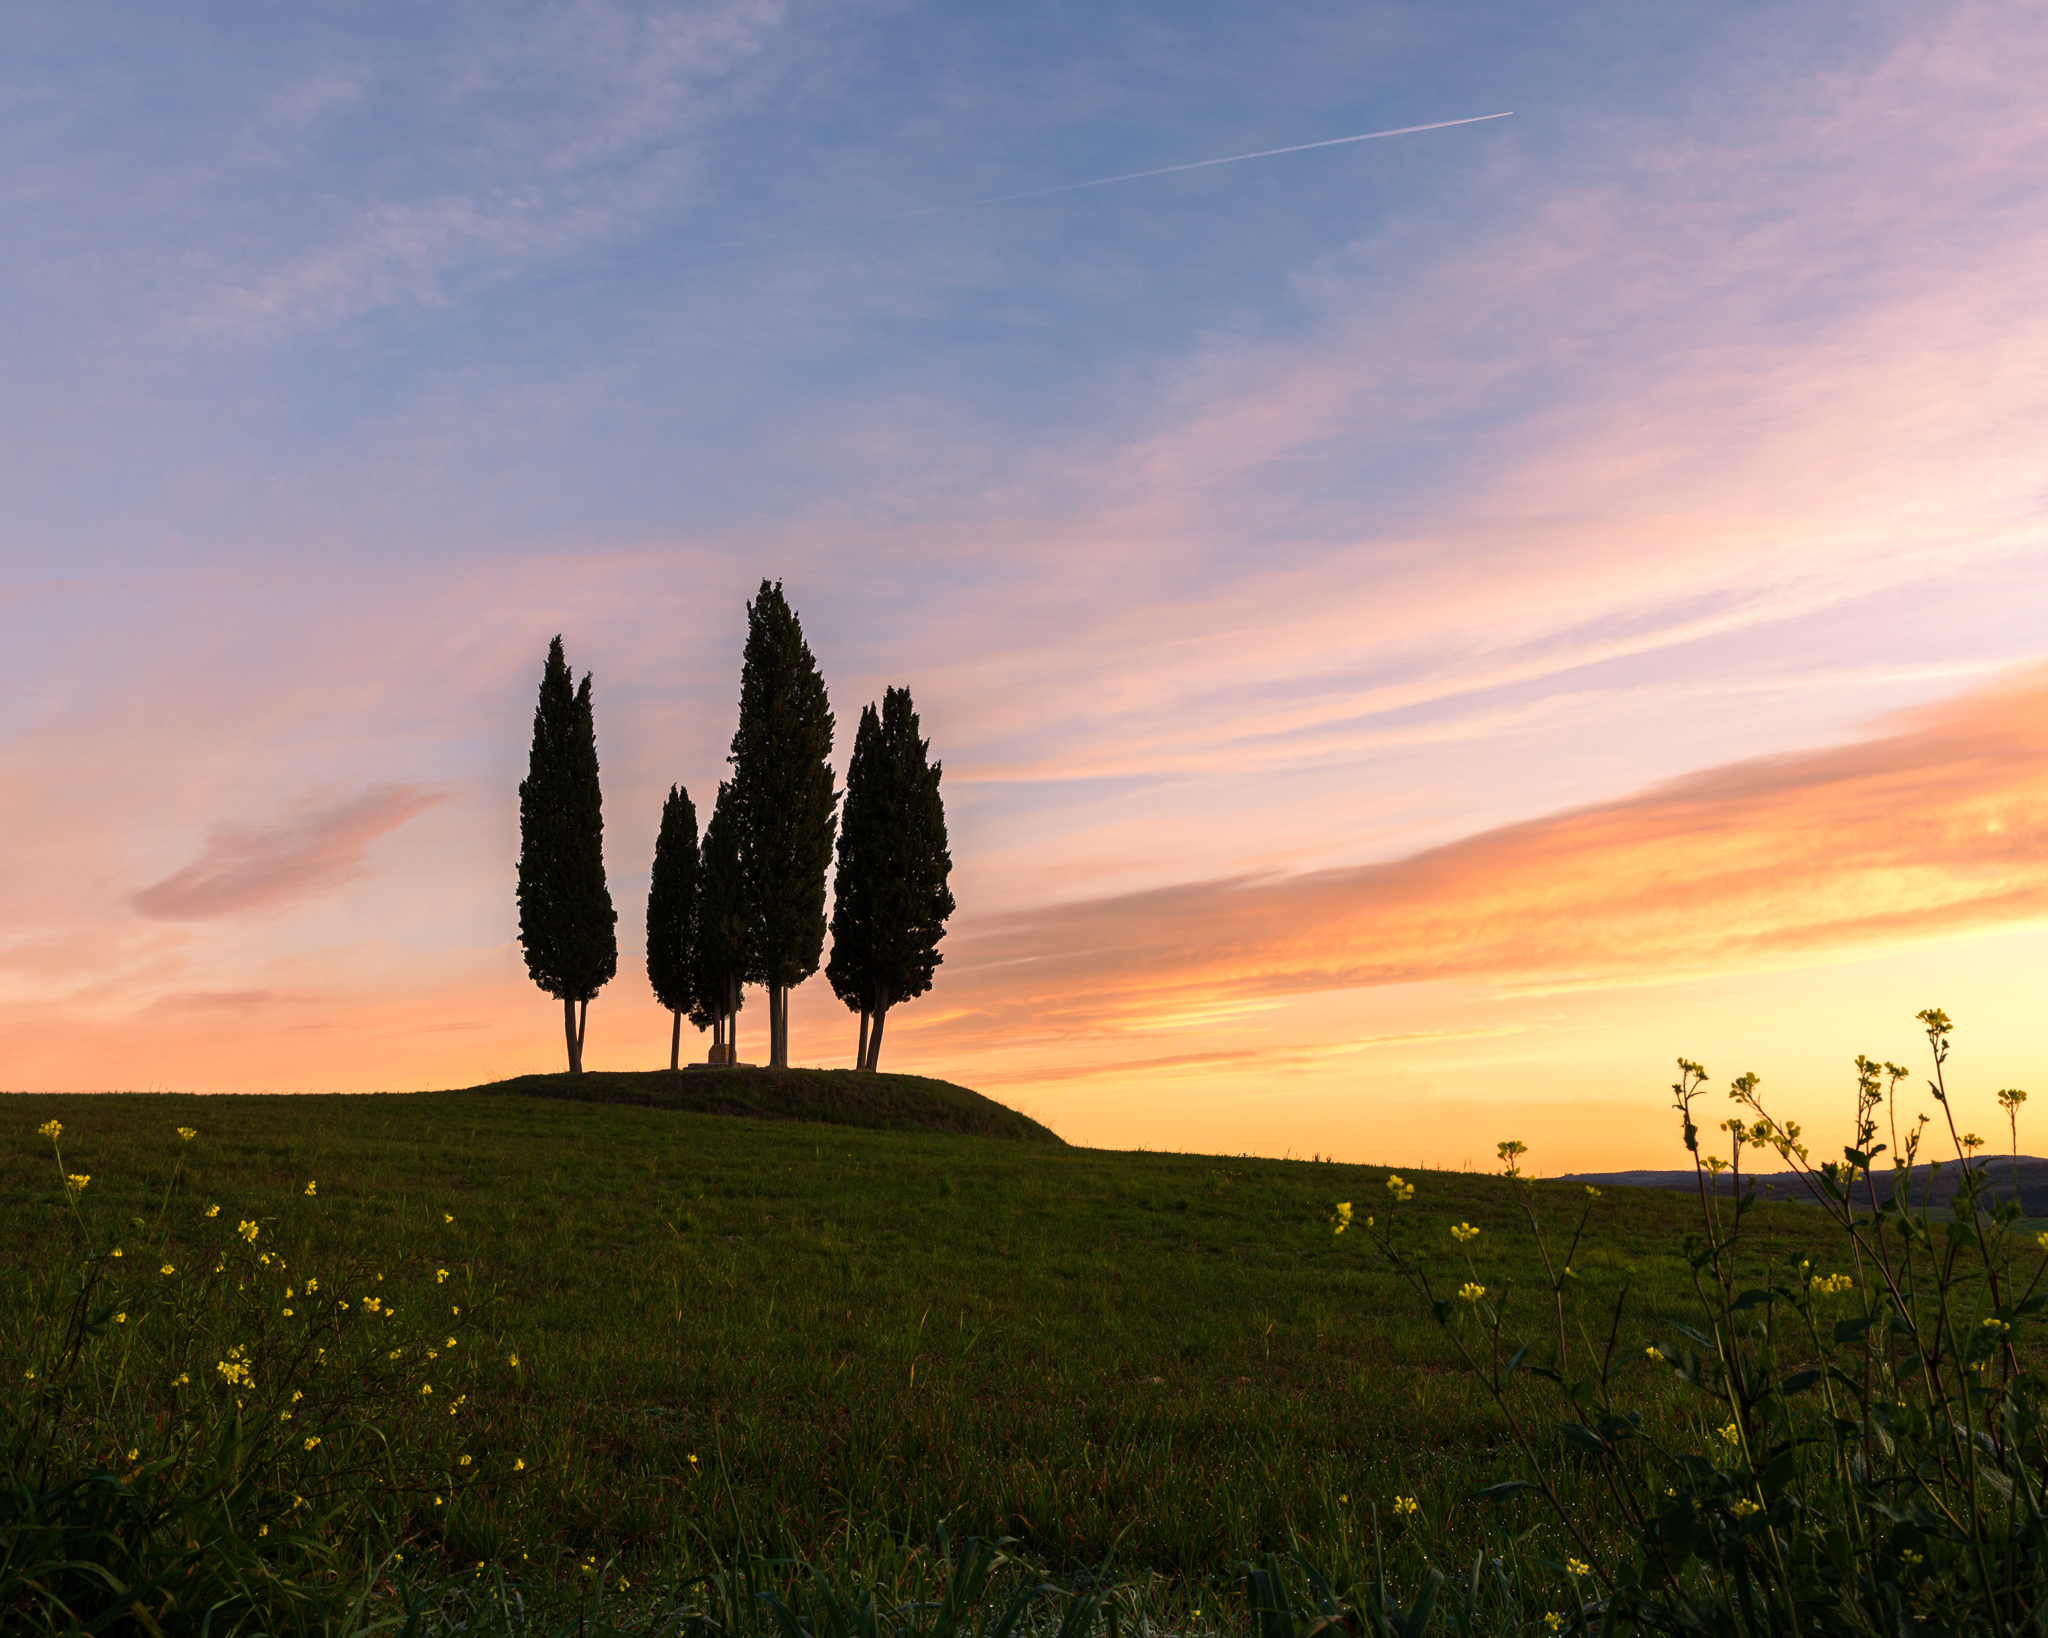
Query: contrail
(1039, 193)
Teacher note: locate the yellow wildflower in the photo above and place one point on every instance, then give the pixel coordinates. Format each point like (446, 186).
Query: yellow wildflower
(1742, 1507)
(120, 1319)
(213, 1211)
(247, 1230)
(188, 1133)
(1592, 1193)
(1399, 1190)
(51, 1129)
(1471, 1292)
(167, 1269)
(519, 1466)
(1405, 1505)
(465, 1461)
(1342, 1216)
(312, 1188)
(447, 1217)
(76, 1181)
(513, 1361)
(1577, 1567)
(440, 1276)
(1464, 1233)
(1732, 1434)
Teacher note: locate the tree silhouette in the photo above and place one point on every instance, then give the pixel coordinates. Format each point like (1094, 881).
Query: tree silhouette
(672, 916)
(567, 925)
(784, 803)
(724, 940)
(890, 894)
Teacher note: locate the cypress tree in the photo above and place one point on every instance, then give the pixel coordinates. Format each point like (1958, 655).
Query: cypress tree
(724, 948)
(784, 803)
(567, 925)
(672, 916)
(891, 899)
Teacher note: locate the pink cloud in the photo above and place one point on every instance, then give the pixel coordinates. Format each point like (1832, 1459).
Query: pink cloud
(248, 867)
(1938, 828)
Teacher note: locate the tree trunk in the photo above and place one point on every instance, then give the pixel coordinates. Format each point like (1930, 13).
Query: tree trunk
(575, 1040)
(860, 1058)
(778, 1045)
(675, 1043)
(878, 1003)
(732, 1023)
(582, 1025)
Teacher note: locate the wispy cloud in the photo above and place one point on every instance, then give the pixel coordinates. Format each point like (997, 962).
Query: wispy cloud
(1940, 827)
(570, 125)
(315, 849)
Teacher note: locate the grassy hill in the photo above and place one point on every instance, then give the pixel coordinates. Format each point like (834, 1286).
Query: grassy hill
(835, 1097)
(784, 1329)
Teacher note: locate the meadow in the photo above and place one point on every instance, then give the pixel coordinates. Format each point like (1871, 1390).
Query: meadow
(591, 1357)
(733, 1330)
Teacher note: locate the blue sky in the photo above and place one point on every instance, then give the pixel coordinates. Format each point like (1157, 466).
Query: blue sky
(1295, 515)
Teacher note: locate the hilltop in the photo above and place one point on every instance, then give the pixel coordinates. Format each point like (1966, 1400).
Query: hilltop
(836, 1097)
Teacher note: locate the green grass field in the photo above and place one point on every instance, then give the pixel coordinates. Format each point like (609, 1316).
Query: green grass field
(771, 1330)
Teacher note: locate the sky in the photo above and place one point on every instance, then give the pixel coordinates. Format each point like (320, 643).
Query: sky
(1420, 633)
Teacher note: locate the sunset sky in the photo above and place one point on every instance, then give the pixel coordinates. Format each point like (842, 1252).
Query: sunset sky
(1420, 632)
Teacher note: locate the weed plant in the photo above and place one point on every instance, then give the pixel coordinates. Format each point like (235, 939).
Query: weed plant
(1859, 1447)
(208, 1420)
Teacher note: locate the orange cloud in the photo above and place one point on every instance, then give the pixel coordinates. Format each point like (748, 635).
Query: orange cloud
(250, 867)
(1939, 827)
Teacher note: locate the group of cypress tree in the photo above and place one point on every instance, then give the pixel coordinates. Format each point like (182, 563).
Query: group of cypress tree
(746, 905)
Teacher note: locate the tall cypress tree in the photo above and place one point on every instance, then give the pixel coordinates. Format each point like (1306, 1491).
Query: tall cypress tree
(891, 898)
(566, 921)
(672, 916)
(784, 803)
(724, 943)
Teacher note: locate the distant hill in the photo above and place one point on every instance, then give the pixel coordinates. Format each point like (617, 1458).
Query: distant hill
(835, 1097)
(1933, 1185)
